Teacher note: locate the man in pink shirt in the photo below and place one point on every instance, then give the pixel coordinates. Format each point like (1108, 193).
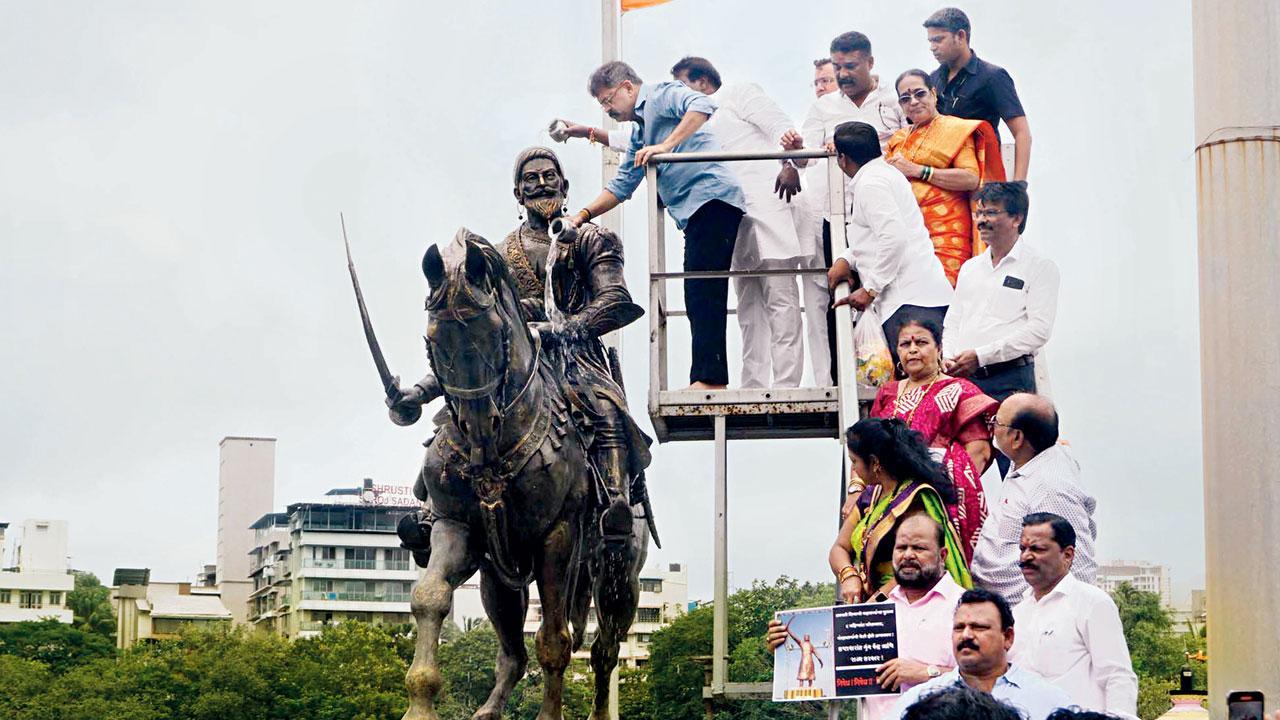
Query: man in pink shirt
(926, 597)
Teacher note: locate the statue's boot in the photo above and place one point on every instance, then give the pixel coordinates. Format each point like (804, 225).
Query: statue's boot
(414, 530)
(616, 522)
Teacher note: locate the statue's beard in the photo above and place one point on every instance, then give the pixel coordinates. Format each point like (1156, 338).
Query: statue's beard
(546, 207)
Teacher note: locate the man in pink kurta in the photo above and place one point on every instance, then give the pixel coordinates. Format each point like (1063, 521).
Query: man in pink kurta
(926, 597)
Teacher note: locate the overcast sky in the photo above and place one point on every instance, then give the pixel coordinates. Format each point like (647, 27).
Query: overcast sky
(171, 267)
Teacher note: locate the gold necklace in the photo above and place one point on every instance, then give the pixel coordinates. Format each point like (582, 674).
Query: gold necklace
(911, 415)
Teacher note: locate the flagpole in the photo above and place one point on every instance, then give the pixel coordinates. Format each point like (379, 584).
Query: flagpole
(609, 159)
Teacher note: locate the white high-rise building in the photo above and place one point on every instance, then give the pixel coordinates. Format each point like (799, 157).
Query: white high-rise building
(37, 587)
(333, 560)
(246, 491)
(1143, 576)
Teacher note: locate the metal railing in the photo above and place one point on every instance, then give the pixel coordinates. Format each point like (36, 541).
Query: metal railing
(845, 390)
(396, 597)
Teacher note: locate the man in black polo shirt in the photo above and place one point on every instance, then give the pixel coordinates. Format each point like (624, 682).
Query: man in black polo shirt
(973, 88)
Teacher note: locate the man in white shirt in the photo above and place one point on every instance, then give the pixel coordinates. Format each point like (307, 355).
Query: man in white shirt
(889, 247)
(1005, 302)
(768, 307)
(861, 98)
(926, 598)
(1045, 478)
(1069, 632)
(808, 215)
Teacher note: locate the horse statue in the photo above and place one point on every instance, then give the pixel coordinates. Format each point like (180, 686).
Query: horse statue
(512, 492)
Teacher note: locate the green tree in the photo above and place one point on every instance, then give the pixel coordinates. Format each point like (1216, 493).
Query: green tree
(1157, 651)
(58, 646)
(90, 603)
(25, 682)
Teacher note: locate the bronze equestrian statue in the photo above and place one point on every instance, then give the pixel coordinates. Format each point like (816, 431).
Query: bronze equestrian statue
(535, 473)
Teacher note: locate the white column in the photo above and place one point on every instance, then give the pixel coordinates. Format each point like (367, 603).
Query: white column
(1237, 73)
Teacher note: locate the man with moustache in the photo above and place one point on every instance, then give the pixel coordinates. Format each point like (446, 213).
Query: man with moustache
(1069, 632)
(591, 296)
(860, 99)
(981, 634)
(1045, 478)
(925, 596)
(1005, 302)
(704, 198)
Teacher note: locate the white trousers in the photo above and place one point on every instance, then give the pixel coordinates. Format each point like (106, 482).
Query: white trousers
(769, 316)
(817, 299)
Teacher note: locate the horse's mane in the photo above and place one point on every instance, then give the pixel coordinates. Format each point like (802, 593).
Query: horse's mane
(495, 269)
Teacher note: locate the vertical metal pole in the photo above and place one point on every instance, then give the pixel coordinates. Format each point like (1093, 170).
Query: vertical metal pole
(610, 50)
(848, 390)
(720, 619)
(657, 292)
(1237, 45)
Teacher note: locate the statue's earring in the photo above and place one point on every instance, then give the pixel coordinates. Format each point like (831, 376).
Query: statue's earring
(520, 213)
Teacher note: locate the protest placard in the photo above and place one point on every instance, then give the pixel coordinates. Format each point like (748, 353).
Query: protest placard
(833, 652)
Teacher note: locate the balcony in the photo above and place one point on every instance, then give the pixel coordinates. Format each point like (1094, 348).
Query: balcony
(356, 596)
(347, 564)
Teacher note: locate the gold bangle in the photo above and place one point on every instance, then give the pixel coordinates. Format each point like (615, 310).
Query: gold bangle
(585, 213)
(846, 572)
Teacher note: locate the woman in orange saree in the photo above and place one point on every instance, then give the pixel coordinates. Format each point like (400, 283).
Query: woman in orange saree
(945, 158)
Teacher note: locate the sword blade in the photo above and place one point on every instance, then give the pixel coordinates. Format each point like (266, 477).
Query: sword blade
(390, 384)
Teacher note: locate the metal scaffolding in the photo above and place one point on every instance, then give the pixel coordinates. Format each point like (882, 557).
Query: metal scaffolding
(763, 413)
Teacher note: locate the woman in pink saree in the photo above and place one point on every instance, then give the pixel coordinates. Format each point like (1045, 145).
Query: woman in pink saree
(951, 413)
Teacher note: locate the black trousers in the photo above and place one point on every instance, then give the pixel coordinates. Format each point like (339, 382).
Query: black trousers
(900, 317)
(709, 238)
(831, 314)
(1003, 384)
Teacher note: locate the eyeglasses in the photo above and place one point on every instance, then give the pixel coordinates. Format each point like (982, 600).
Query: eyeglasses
(918, 94)
(988, 213)
(609, 98)
(992, 422)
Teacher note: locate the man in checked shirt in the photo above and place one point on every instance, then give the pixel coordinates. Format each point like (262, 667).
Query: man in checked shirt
(1044, 478)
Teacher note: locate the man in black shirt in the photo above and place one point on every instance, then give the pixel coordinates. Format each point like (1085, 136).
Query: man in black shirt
(972, 88)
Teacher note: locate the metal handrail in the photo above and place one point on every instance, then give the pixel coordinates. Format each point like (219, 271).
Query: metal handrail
(726, 156)
(697, 274)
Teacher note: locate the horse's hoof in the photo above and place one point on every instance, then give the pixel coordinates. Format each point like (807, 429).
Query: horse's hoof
(487, 714)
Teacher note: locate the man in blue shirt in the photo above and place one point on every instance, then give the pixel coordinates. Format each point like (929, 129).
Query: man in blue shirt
(981, 636)
(703, 198)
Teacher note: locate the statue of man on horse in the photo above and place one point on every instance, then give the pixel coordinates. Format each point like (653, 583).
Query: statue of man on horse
(536, 470)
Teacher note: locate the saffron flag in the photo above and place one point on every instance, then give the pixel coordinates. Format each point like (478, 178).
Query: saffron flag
(638, 4)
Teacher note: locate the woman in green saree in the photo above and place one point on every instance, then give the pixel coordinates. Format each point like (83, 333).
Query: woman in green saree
(901, 479)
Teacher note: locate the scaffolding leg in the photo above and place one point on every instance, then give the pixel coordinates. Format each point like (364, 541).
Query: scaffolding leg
(720, 619)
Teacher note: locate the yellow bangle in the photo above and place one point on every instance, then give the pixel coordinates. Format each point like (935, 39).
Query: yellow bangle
(585, 213)
(846, 572)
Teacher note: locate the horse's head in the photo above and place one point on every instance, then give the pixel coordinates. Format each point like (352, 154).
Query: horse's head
(476, 338)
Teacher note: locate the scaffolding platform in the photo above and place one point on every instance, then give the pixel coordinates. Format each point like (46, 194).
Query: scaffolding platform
(750, 414)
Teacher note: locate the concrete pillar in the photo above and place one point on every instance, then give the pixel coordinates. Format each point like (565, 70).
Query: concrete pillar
(1237, 95)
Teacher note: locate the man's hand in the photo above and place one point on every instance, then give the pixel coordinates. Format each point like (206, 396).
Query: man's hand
(775, 635)
(962, 365)
(791, 140)
(411, 396)
(788, 182)
(899, 670)
(644, 154)
(570, 129)
(851, 591)
(906, 167)
(860, 299)
(840, 272)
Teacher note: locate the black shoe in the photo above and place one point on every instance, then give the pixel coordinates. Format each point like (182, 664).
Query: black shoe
(414, 530)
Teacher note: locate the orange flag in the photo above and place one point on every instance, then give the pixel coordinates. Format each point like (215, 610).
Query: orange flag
(638, 4)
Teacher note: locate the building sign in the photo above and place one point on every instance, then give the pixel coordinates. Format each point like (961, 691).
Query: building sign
(388, 495)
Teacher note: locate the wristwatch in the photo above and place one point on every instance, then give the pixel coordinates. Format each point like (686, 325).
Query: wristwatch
(932, 671)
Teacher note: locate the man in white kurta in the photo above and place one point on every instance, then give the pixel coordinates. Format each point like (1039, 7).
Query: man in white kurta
(860, 98)
(768, 307)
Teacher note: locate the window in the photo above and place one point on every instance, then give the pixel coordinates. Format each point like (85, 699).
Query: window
(55, 598)
(397, 559)
(6, 597)
(653, 585)
(31, 599)
(360, 558)
(328, 553)
(649, 615)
